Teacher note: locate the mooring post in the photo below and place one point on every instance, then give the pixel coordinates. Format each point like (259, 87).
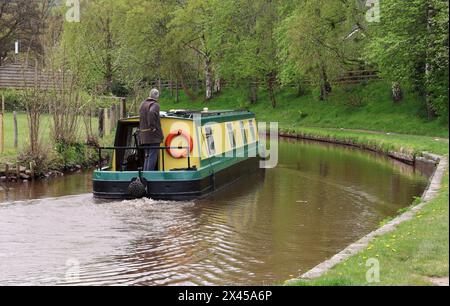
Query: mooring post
(16, 131)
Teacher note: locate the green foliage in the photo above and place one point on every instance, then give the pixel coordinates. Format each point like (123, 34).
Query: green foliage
(410, 45)
(122, 46)
(13, 101)
(70, 155)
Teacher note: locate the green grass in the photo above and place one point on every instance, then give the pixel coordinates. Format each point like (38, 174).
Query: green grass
(416, 251)
(377, 112)
(383, 142)
(11, 153)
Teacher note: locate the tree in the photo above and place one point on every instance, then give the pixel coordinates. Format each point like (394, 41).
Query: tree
(191, 30)
(23, 20)
(410, 45)
(146, 36)
(318, 38)
(95, 43)
(245, 43)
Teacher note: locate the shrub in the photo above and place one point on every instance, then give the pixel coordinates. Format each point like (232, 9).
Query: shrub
(13, 101)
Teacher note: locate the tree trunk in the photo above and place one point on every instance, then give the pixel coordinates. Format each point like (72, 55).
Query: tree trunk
(325, 86)
(253, 92)
(208, 78)
(197, 77)
(431, 113)
(177, 92)
(397, 94)
(108, 60)
(271, 88)
(217, 85)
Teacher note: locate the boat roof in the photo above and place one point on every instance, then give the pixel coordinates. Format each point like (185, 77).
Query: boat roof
(206, 115)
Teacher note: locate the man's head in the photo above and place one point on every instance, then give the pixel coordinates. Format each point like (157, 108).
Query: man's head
(154, 94)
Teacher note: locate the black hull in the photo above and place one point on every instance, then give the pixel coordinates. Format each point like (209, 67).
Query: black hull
(179, 190)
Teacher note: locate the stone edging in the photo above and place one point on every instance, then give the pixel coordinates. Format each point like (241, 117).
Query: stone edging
(430, 193)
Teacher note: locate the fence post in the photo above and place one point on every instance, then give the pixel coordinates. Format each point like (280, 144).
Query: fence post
(2, 126)
(16, 131)
(123, 108)
(107, 121)
(101, 122)
(112, 117)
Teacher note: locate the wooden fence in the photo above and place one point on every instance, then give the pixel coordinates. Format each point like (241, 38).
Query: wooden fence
(21, 76)
(349, 77)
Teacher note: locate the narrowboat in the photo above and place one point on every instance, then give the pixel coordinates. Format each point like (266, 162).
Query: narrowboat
(203, 151)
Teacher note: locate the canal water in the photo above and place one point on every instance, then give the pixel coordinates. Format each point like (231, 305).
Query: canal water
(262, 230)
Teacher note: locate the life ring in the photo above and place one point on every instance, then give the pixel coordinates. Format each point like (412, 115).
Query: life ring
(183, 153)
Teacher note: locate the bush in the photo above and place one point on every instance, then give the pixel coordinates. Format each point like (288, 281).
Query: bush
(40, 159)
(13, 101)
(70, 155)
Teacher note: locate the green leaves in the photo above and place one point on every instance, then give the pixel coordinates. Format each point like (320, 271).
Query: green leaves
(266, 42)
(411, 45)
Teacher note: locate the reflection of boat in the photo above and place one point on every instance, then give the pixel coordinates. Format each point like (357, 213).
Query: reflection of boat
(202, 152)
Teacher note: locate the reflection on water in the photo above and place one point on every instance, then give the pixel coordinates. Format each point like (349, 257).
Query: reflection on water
(262, 230)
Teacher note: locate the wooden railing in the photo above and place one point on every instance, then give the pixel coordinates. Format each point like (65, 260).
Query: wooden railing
(349, 77)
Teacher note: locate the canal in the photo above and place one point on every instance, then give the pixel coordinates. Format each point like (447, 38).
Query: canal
(263, 229)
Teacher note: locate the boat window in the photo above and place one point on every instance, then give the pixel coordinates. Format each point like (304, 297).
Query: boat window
(210, 141)
(231, 136)
(252, 130)
(244, 135)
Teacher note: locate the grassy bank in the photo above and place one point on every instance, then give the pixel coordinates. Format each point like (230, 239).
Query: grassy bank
(366, 106)
(384, 142)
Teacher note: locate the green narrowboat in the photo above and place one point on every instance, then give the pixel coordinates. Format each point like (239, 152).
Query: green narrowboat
(202, 152)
